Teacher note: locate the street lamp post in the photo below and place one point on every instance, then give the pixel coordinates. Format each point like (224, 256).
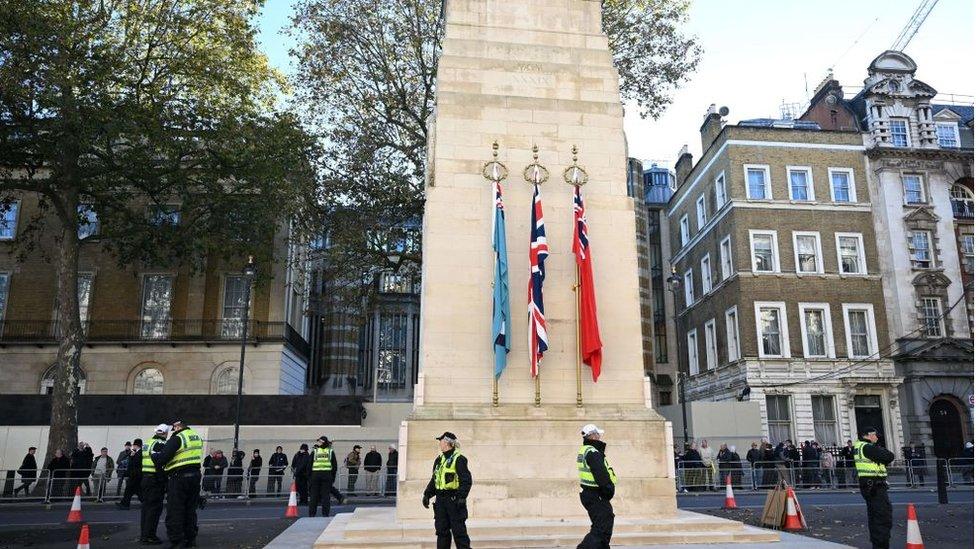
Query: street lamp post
(249, 273)
(674, 284)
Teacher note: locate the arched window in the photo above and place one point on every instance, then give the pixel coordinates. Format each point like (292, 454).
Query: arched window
(47, 380)
(148, 382)
(226, 381)
(962, 202)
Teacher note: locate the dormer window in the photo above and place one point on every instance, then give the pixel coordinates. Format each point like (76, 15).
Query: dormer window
(948, 133)
(899, 132)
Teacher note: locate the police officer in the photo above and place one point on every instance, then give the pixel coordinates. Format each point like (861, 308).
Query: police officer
(180, 458)
(450, 482)
(597, 486)
(152, 486)
(322, 479)
(872, 477)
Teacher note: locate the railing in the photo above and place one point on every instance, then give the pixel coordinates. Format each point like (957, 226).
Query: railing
(962, 209)
(45, 331)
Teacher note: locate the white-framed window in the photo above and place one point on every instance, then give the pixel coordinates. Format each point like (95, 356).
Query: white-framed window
(966, 248)
(859, 327)
(88, 225)
(932, 321)
(226, 382)
(4, 295)
(706, 274)
(689, 287)
(800, 179)
(232, 315)
(732, 333)
(824, 419)
(8, 219)
(808, 254)
(157, 297)
(693, 352)
(961, 199)
(778, 418)
(899, 132)
(850, 253)
(721, 194)
(685, 230)
(758, 186)
(772, 330)
(148, 382)
(165, 214)
(701, 212)
(948, 134)
(765, 251)
(914, 189)
(817, 331)
(725, 256)
(920, 249)
(711, 345)
(842, 188)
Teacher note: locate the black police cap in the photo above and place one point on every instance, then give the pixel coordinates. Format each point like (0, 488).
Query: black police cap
(448, 435)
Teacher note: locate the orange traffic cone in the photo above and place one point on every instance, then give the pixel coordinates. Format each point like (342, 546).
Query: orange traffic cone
(83, 538)
(729, 496)
(292, 511)
(74, 515)
(793, 522)
(914, 534)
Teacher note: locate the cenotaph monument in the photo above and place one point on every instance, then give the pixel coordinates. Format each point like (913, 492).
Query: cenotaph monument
(529, 73)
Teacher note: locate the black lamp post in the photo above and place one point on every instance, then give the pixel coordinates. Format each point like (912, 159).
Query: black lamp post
(249, 272)
(674, 285)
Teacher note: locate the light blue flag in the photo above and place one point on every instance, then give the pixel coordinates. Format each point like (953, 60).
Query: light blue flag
(501, 313)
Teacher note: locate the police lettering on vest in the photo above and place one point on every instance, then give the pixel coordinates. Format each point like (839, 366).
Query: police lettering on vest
(322, 460)
(865, 467)
(583, 468)
(190, 452)
(148, 467)
(445, 474)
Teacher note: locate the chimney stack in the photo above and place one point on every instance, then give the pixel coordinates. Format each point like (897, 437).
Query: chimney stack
(682, 168)
(711, 127)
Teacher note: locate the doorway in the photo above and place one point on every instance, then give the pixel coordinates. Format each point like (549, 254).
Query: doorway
(867, 413)
(947, 430)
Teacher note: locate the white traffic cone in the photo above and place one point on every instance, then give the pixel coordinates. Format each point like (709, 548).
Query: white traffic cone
(74, 515)
(914, 540)
(292, 510)
(83, 538)
(729, 496)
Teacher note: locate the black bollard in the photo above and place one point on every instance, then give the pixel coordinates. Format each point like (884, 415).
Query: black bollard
(943, 481)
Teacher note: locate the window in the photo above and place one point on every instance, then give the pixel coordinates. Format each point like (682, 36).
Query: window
(689, 288)
(824, 419)
(778, 418)
(962, 202)
(693, 352)
(232, 317)
(167, 214)
(711, 345)
(4, 293)
(914, 191)
(774, 339)
(932, 316)
(148, 382)
(87, 221)
(664, 398)
(818, 340)
(765, 252)
(966, 248)
(809, 256)
(920, 248)
(842, 185)
(757, 182)
(801, 183)
(899, 132)
(862, 339)
(706, 274)
(157, 294)
(226, 382)
(685, 230)
(721, 196)
(725, 253)
(732, 333)
(700, 210)
(948, 133)
(850, 253)
(8, 220)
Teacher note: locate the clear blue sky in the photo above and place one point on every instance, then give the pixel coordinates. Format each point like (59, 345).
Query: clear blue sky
(761, 53)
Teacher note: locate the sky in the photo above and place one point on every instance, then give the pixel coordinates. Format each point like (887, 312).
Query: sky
(759, 54)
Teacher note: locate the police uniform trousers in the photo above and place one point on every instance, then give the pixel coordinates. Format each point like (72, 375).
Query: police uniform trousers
(153, 490)
(320, 492)
(183, 495)
(449, 517)
(601, 520)
(875, 493)
(301, 483)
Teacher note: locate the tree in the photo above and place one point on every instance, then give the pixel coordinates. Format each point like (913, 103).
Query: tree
(110, 109)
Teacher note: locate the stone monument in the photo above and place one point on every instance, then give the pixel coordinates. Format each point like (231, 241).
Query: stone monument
(529, 73)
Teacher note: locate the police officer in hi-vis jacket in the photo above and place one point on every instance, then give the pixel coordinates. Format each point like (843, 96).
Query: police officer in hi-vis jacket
(597, 485)
(450, 484)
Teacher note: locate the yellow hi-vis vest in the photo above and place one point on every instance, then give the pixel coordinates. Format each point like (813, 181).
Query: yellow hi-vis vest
(148, 467)
(865, 467)
(583, 468)
(190, 452)
(445, 467)
(322, 460)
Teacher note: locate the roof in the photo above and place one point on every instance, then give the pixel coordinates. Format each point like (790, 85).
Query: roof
(792, 124)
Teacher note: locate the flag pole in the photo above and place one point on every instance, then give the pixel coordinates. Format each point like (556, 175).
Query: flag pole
(579, 352)
(577, 177)
(495, 172)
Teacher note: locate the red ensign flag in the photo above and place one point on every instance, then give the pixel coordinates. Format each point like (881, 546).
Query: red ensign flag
(589, 330)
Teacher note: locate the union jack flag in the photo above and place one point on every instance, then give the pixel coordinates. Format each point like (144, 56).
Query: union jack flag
(589, 330)
(538, 252)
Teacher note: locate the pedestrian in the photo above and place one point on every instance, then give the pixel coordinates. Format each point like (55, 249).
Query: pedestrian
(153, 486)
(967, 462)
(277, 464)
(81, 464)
(301, 468)
(208, 471)
(218, 464)
(322, 479)
(709, 462)
(724, 467)
(27, 472)
(352, 463)
(735, 466)
(101, 473)
(392, 457)
(122, 466)
(871, 460)
(133, 475)
(372, 464)
(906, 456)
(235, 474)
(60, 468)
(810, 464)
(254, 472)
(693, 467)
(827, 464)
(597, 487)
(754, 457)
(180, 458)
(450, 483)
(918, 464)
(847, 462)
